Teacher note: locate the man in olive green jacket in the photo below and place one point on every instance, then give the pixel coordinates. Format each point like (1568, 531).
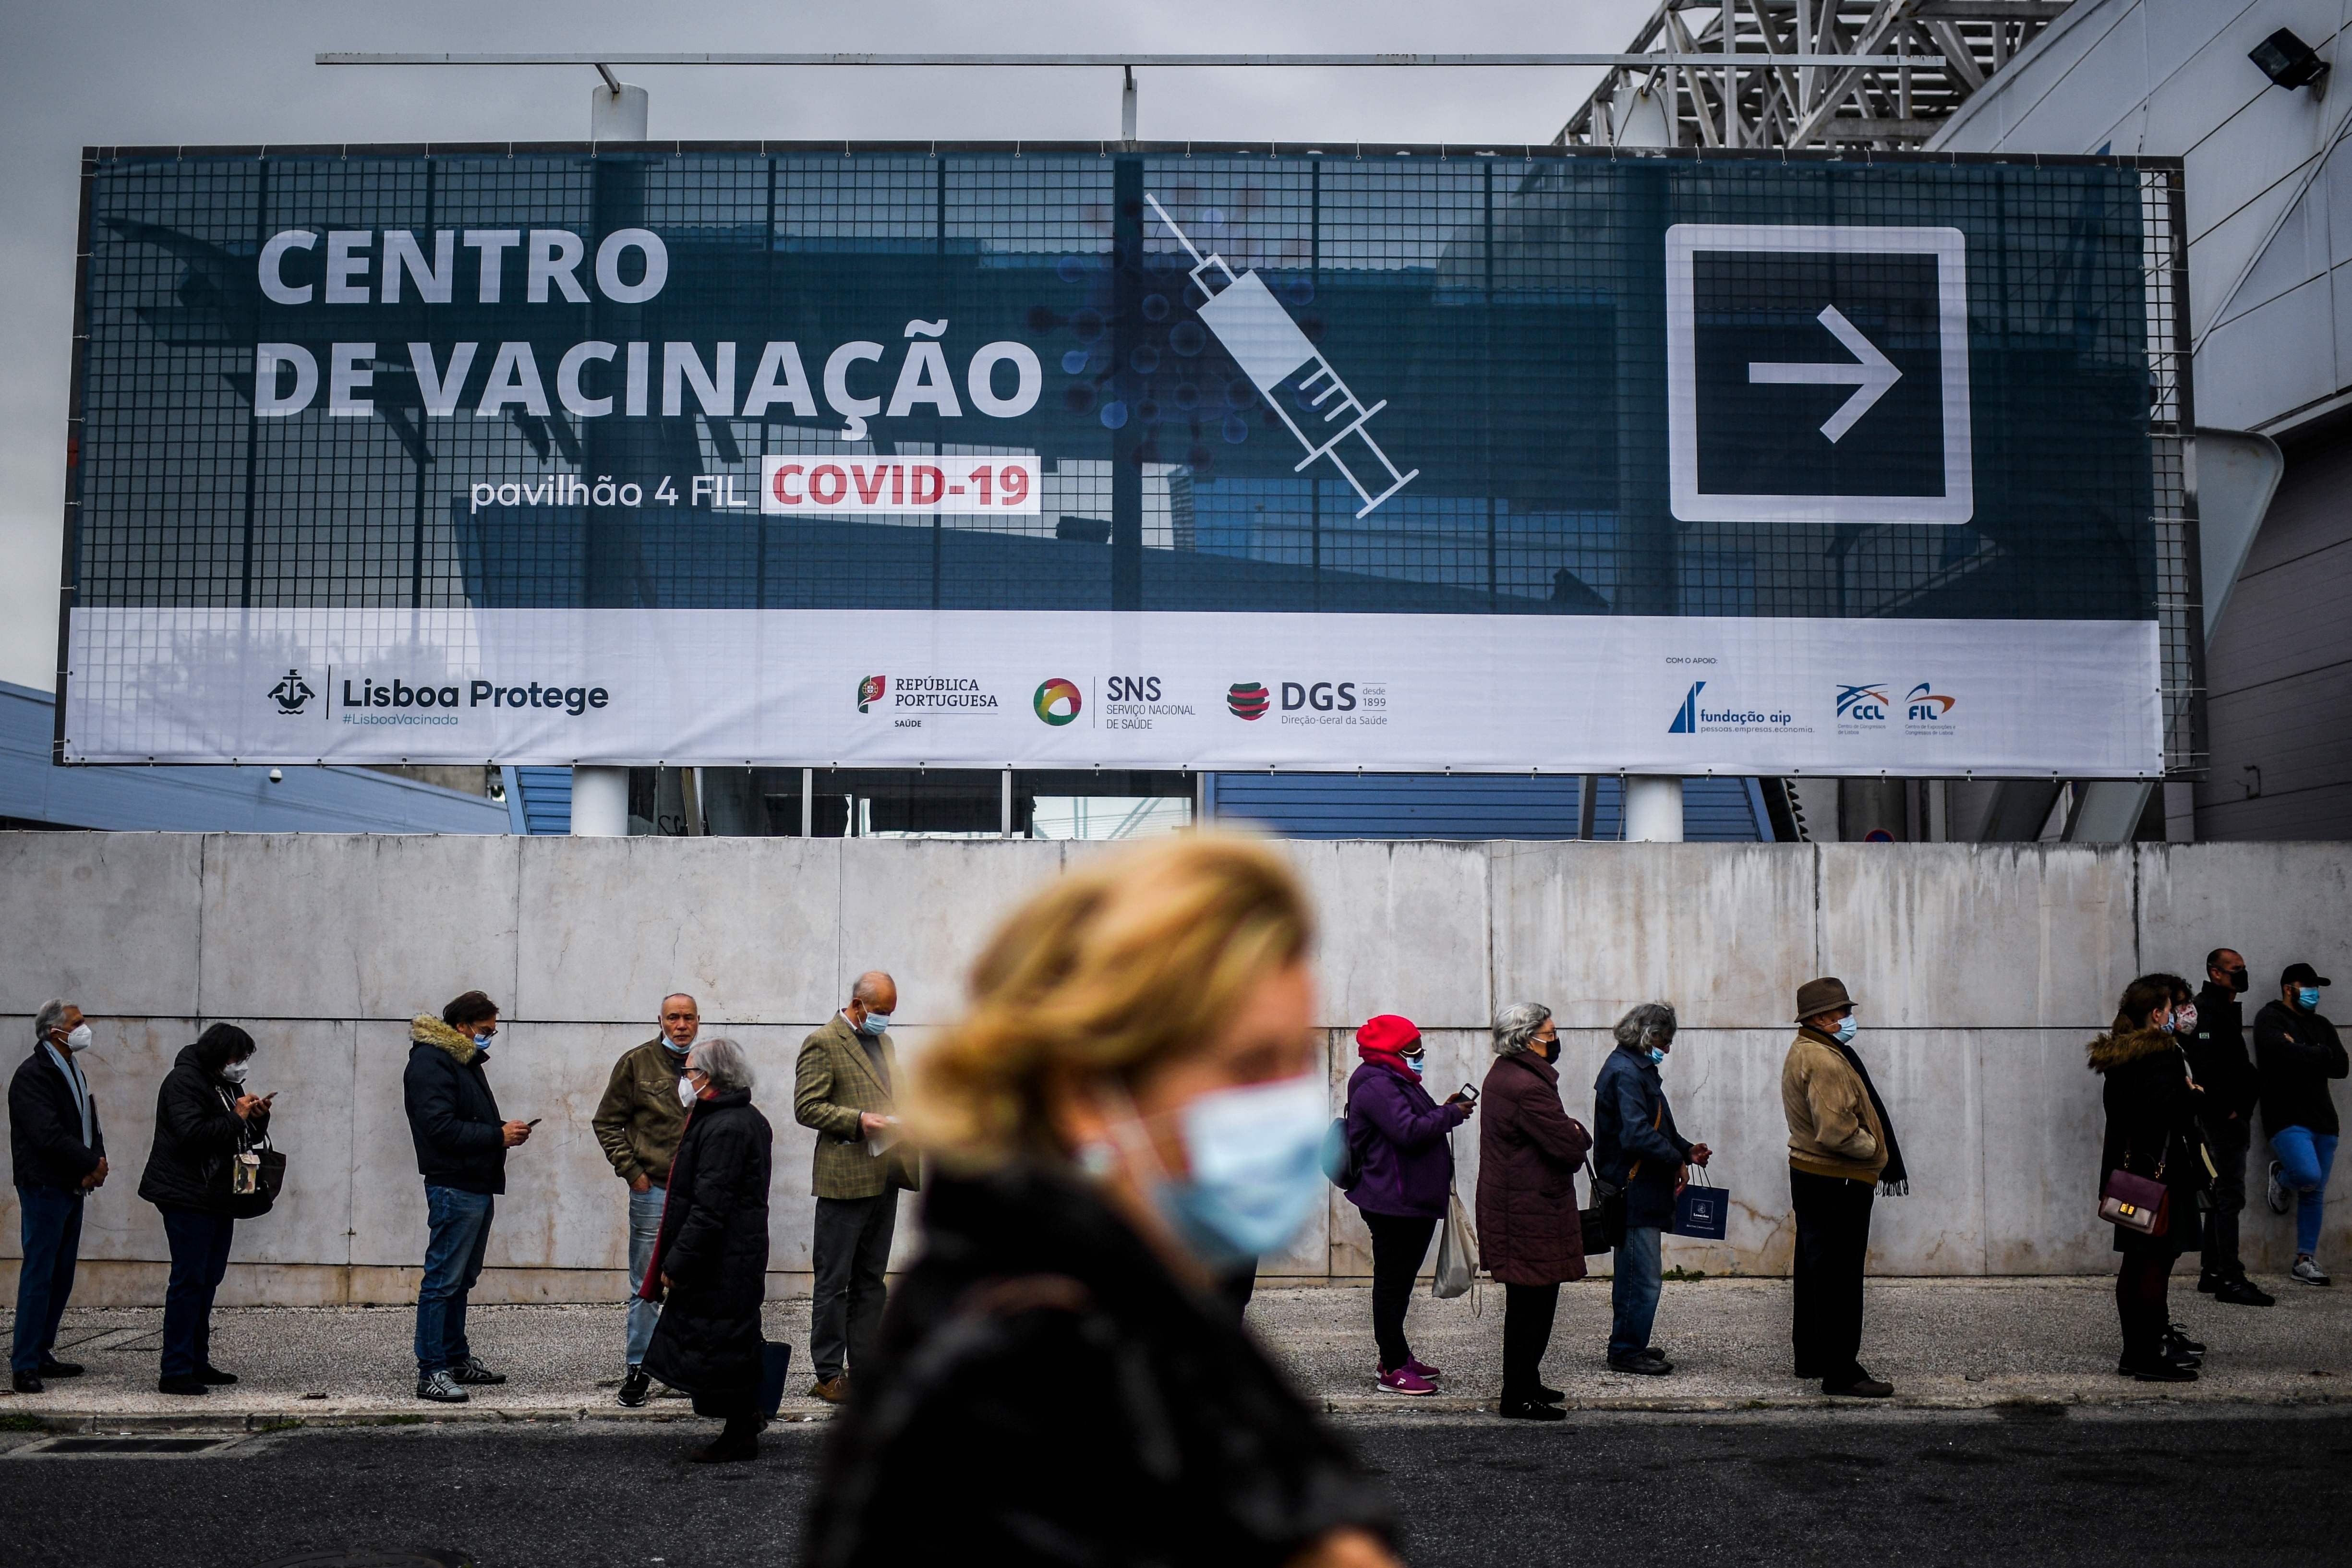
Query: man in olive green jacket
(846, 1087)
(1840, 1148)
(638, 1124)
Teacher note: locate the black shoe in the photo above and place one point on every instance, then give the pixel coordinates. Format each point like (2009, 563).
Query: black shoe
(215, 1376)
(2240, 1291)
(1529, 1410)
(2206, 1284)
(636, 1387)
(1641, 1365)
(189, 1384)
(1864, 1387)
(2155, 1369)
(471, 1370)
(1548, 1394)
(1652, 1352)
(28, 1382)
(52, 1367)
(2175, 1333)
(441, 1388)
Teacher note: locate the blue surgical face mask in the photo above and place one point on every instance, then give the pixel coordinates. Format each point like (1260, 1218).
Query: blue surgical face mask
(1657, 1053)
(1257, 1169)
(874, 1023)
(1417, 1063)
(1845, 1030)
(2309, 996)
(484, 1040)
(674, 1047)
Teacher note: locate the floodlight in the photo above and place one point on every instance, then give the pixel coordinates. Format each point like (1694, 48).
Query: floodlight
(2289, 61)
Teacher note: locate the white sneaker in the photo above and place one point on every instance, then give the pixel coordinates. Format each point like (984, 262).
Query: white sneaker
(2280, 1200)
(2308, 1270)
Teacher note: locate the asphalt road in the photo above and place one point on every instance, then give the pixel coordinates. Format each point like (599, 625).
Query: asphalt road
(2267, 1487)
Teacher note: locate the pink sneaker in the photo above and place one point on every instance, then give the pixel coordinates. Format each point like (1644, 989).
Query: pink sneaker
(1422, 1369)
(1405, 1380)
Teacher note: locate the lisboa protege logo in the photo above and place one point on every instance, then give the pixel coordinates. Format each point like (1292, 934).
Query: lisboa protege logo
(1057, 701)
(1247, 699)
(870, 690)
(292, 692)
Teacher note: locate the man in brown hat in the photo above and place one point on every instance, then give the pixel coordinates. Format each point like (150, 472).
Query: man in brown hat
(1841, 1148)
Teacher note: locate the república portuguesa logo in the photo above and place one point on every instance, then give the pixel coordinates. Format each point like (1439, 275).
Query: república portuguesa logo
(1057, 701)
(292, 692)
(870, 690)
(1247, 699)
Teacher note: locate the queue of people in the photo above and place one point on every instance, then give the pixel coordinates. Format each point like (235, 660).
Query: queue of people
(1123, 1125)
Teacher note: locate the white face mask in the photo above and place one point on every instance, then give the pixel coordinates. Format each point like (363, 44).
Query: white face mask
(686, 1092)
(80, 1039)
(234, 1071)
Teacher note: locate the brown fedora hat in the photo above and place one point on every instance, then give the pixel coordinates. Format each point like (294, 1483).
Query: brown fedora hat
(1826, 994)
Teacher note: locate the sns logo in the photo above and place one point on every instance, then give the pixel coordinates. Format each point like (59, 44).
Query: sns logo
(1925, 707)
(870, 689)
(1056, 702)
(1868, 702)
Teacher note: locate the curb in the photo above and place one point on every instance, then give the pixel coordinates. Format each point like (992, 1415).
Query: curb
(71, 1421)
(2012, 1404)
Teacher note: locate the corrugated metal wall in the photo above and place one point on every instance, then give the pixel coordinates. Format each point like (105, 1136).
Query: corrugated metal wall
(1458, 806)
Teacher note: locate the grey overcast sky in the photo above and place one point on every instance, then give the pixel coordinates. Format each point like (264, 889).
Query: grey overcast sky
(152, 72)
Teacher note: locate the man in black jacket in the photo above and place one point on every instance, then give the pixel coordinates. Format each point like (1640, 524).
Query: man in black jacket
(2297, 1052)
(59, 1153)
(461, 1152)
(2216, 1047)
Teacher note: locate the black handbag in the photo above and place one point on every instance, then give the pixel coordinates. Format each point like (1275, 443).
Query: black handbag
(257, 1175)
(1601, 1231)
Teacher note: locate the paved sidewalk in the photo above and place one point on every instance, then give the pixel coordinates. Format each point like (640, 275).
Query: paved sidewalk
(1945, 1344)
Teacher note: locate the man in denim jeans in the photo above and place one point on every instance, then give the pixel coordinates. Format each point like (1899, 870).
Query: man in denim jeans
(1637, 1150)
(638, 1124)
(461, 1152)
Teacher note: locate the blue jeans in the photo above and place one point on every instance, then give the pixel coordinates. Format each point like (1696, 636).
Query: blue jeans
(2305, 1159)
(460, 1225)
(645, 1225)
(52, 1236)
(199, 1244)
(1635, 1292)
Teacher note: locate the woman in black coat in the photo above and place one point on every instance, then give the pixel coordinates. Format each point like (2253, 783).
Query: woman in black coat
(2151, 1103)
(709, 1267)
(204, 1120)
(1134, 1105)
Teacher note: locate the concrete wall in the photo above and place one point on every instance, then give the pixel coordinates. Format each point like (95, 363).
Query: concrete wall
(1981, 971)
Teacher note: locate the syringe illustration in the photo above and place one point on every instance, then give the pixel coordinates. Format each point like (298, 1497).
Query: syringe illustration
(1280, 361)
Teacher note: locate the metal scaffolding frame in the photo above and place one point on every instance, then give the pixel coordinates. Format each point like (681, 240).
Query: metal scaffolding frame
(1865, 103)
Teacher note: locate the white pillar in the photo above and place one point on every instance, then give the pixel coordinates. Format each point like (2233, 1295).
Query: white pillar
(600, 803)
(1653, 810)
(617, 114)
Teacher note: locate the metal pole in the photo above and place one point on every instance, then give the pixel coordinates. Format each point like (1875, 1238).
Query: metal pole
(1005, 806)
(605, 58)
(808, 803)
(1127, 106)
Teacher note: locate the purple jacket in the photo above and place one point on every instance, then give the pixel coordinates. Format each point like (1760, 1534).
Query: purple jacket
(1399, 1133)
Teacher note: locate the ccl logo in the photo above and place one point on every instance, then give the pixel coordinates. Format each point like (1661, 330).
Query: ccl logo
(1866, 703)
(1925, 707)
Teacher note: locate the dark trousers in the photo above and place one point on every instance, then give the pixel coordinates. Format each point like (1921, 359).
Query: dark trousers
(853, 1248)
(1235, 1289)
(1528, 1311)
(2143, 1283)
(199, 1244)
(1832, 1239)
(1398, 1243)
(50, 1227)
(2227, 1140)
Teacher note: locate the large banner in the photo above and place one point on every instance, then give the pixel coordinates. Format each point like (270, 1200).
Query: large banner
(1312, 459)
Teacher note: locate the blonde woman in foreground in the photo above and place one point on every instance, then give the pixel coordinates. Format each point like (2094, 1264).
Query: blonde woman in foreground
(1133, 1105)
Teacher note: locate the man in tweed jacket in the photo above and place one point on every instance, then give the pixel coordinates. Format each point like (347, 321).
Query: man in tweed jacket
(846, 1087)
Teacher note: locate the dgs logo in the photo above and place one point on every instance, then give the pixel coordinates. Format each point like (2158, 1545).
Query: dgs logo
(1322, 695)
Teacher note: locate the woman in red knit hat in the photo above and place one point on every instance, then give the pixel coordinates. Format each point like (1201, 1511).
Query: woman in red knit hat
(1405, 1171)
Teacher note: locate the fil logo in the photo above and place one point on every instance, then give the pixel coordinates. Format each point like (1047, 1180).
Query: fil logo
(1057, 701)
(1924, 707)
(1863, 703)
(1247, 699)
(291, 693)
(870, 689)
(1687, 716)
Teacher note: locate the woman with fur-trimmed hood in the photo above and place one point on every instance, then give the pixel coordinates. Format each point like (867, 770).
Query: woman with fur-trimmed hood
(2151, 1132)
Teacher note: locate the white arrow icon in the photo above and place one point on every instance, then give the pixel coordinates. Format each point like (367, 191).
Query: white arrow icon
(1870, 377)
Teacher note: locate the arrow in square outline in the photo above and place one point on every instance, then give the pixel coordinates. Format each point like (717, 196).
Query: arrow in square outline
(1872, 373)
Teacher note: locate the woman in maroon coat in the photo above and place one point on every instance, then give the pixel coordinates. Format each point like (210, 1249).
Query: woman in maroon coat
(1528, 1236)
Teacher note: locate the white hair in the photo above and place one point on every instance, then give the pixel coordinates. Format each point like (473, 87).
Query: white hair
(1516, 1026)
(722, 1061)
(52, 1013)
